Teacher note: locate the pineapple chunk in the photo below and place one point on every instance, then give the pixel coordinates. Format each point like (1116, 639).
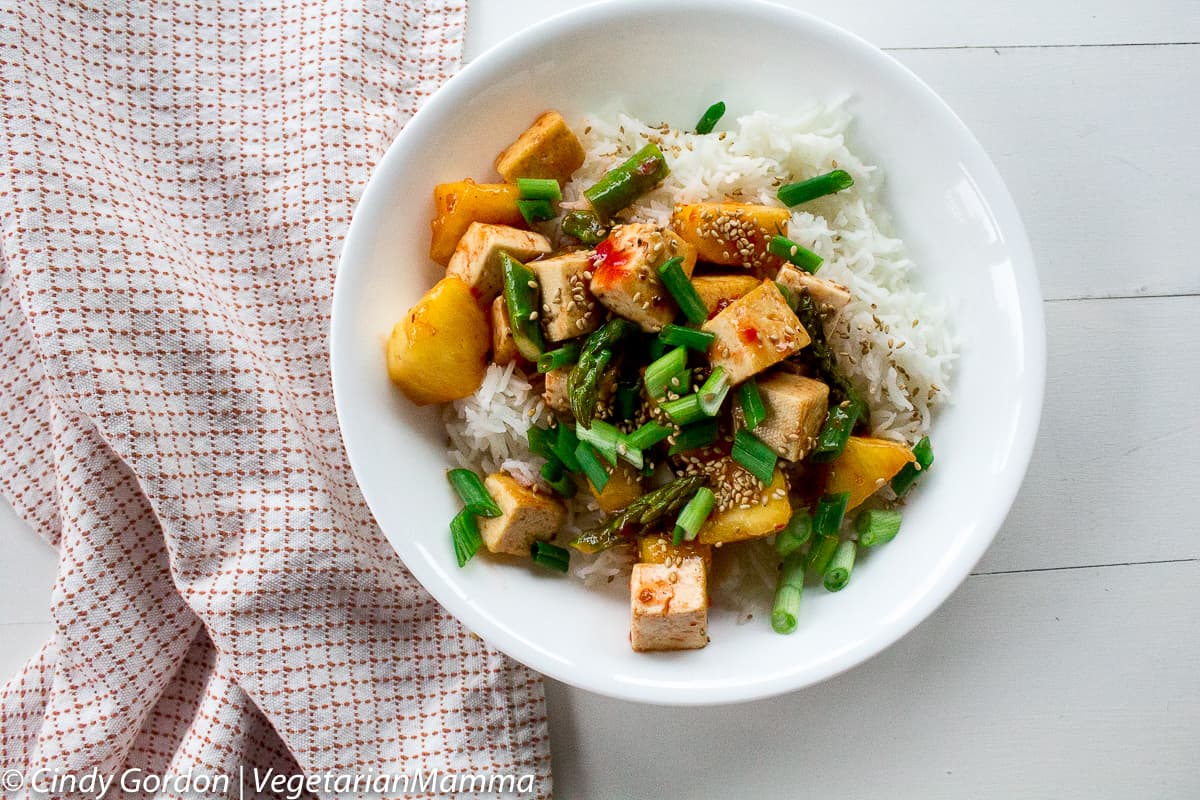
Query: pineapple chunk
(660, 550)
(865, 466)
(463, 202)
(504, 348)
(768, 508)
(733, 234)
(625, 273)
(547, 149)
(796, 408)
(476, 259)
(756, 331)
(669, 606)
(718, 291)
(623, 487)
(526, 516)
(568, 308)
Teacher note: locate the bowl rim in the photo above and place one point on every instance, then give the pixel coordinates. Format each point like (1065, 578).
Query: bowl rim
(1033, 354)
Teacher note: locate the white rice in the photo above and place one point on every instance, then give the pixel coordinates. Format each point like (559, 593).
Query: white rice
(894, 342)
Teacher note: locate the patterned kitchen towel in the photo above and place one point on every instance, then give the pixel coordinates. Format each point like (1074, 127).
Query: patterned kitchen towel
(176, 183)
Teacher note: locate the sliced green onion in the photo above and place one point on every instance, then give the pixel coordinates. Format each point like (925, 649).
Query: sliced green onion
(603, 436)
(554, 359)
(802, 257)
(625, 402)
(535, 210)
(793, 194)
(631, 454)
(683, 410)
(521, 297)
(464, 533)
(907, 476)
(687, 337)
(592, 466)
(656, 348)
(628, 181)
(557, 479)
(831, 508)
(680, 287)
(659, 373)
(837, 574)
(753, 408)
(539, 189)
(712, 393)
(680, 382)
(835, 432)
(711, 117)
(550, 556)
(792, 538)
(693, 515)
(584, 226)
(753, 454)
(698, 434)
(877, 526)
(542, 442)
(475, 496)
(788, 592)
(648, 435)
(564, 446)
(821, 553)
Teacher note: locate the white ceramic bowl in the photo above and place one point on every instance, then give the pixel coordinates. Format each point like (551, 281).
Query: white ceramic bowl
(664, 59)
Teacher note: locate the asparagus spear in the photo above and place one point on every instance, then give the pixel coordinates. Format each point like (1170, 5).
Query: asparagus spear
(625, 183)
(584, 226)
(521, 297)
(583, 384)
(846, 408)
(663, 501)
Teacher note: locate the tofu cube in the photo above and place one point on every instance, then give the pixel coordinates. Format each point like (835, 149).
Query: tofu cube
(557, 397)
(625, 273)
(669, 606)
(829, 296)
(756, 331)
(476, 258)
(796, 408)
(718, 291)
(504, 348)
(547, 149)
(568, 307)
(526, 516)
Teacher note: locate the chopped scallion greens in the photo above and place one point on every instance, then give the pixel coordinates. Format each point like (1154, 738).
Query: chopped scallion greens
(877, 526)
(473, 493)
(647, 435)
(802, 257)
(795, 535)
(536, 210)
(659, 373)
(835, 432)
(464, 533)
(788, 591)
(693, 515)
(908, 475)
(793, 194)
(713, 391)
(698, 434)
(683, 410)
(592, 466)
(827, 520)
(554, 359)
(681, 288)
(539, 189)
(603, 436)
(753, 454)
(821, 553)
(837, 574)
(557, 479)
(550, 556)
(564, 446)
(687, 337)
(753, 408)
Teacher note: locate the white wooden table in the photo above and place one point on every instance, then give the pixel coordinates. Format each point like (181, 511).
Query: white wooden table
(1068, 664)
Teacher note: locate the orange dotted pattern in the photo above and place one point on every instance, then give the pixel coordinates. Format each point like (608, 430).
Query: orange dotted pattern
(176, 182)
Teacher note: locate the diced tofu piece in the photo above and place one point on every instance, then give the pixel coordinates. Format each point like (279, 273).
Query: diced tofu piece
(556, 396)
(625, 273)
(669, 606)
(865, 466)
(745, 508)
(460, 203)
(829, 296)
(504, 349)
(526, 515)
(796, 408)
(733, 234)
(660, 550)
(718, 291)
(568, 307)
(623, 487)
(756, 331)
(476, 259)
(547, 149)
